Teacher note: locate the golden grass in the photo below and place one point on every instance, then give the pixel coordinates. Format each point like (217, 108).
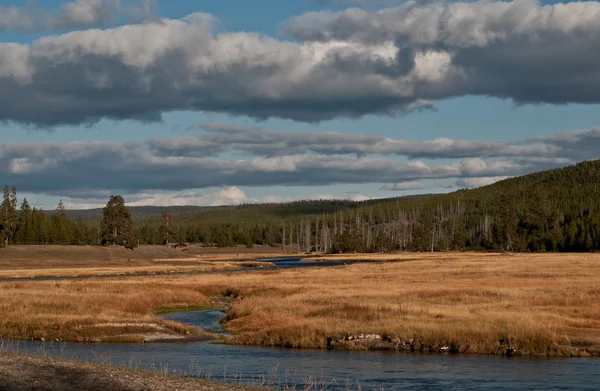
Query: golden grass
(58, 254)
(536, 303)
(130, 269)
(69, 261)
(395, 257)
(95, 310)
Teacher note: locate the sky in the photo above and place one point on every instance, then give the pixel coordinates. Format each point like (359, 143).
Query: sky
(222, 102)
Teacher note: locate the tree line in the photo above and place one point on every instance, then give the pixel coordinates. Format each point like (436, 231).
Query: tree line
(27, 225)
(555, 210)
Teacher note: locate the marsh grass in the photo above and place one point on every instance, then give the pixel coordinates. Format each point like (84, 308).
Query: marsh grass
(545, 304)
(480, 303)
(71, 261)
(93, 310)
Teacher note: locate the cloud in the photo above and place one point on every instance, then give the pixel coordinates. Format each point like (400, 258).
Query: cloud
(75, 14)
(579, 144)
(358, 2)
(86, 170)
(64, 168)
(227, 196)
(410, 185)
(256, 141)
(84, 13)
(14, 18)
(340, 64)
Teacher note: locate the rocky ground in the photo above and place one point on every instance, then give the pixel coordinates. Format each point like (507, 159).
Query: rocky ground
(24, 373)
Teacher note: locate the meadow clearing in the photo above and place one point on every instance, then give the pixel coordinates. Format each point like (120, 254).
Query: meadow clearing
(34, 261)
(470, 302)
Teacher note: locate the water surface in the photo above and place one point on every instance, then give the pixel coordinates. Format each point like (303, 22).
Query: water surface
(281, 368)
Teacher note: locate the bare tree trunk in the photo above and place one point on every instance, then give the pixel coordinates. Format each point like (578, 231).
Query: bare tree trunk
(283, 238)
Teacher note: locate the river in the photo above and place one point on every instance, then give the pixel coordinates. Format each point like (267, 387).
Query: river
(280, 263)
(332, 370)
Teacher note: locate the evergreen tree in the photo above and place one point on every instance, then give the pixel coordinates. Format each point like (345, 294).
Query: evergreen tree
(25, 234)
(117, 224)
(507, 218)
(8, 215)
(60, 225)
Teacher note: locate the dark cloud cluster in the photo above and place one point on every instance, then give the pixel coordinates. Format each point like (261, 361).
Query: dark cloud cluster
(340, 64)
(257, 141)
(44, 167)
(82, 169)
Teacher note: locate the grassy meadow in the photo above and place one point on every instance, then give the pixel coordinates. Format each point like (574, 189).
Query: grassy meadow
(96, 310)
(68, 261)
(535, 303)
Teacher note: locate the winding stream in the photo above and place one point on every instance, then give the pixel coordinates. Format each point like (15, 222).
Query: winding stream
(333, 370)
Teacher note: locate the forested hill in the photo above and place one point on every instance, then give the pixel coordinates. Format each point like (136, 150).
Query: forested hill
(141, 211)
(554, 210)
(296, 208)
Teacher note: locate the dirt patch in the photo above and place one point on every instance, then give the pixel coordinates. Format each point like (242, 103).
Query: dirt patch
(23, 373)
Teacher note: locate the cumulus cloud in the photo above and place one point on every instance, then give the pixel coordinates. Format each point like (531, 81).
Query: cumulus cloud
(340, 64)
(14, 18)
(84, 13)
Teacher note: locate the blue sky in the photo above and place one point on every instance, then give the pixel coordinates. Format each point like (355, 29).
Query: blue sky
(509, 95)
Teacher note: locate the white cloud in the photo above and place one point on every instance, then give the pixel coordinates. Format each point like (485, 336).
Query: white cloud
(227, 196)
(342, 64)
